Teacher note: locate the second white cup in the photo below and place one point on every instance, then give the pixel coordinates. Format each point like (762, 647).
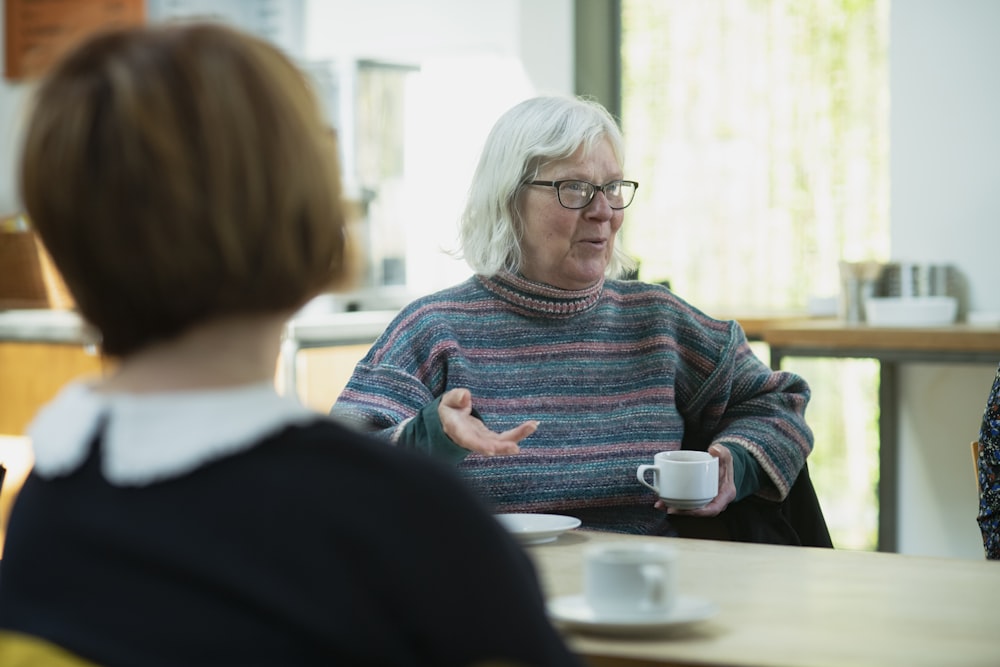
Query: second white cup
(683, 479)
(624, 580)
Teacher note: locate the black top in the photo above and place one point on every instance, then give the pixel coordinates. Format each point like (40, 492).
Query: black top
(316, 546)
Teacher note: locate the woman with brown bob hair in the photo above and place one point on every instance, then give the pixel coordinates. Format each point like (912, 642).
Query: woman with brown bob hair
(180, 511)
(196, 193)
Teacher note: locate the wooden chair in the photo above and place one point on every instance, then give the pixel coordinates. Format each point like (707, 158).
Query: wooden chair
(975, 463)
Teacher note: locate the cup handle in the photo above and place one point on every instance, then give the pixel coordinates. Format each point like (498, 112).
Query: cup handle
(655, 577)
(640, 474)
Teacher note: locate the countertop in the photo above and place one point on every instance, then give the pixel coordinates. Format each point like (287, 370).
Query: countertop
(67, 327)
(45, 326)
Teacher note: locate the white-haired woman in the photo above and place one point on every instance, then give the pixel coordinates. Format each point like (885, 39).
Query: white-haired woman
(546, 379)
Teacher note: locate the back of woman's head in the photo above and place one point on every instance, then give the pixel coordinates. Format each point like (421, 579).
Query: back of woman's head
(178, 174)
(531, 134)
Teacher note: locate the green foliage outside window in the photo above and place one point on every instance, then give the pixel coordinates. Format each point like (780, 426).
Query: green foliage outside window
(758, 130)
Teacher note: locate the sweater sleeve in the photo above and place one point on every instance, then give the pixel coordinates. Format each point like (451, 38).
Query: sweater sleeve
(738, 401)
(389, 395)
(747, 473)
(425, 433)
(384, 397)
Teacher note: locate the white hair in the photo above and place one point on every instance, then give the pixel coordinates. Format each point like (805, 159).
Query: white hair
(525, 138)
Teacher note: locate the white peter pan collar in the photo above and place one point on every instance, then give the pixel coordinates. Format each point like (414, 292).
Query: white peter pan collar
(151, 437)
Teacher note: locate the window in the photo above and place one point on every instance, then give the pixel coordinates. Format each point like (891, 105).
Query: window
(759, 132)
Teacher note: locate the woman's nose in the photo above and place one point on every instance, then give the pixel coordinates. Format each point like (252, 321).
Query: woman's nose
(599, 207)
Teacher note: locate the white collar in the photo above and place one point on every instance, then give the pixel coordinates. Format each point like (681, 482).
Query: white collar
(151, 437)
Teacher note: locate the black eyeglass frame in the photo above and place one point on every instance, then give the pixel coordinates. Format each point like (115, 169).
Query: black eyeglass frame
(593, 193)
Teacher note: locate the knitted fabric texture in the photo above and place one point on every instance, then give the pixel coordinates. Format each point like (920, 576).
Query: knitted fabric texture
(989, 473)
(614, 374)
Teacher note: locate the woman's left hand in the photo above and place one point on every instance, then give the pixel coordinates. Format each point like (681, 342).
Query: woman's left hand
(727, 487)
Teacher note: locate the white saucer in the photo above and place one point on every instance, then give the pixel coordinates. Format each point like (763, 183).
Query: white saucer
(573, 612)
(537, 528)
(686, 503)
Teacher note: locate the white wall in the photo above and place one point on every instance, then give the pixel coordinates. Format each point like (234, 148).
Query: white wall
(537, 32)
(945, 137)
(458, 42)
(940, 407)
(945, 189)
(12, 98)
(476, 60)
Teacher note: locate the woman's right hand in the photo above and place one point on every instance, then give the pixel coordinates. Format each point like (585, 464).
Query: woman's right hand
(455, 411)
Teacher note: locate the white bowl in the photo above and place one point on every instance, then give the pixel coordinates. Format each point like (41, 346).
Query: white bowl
(914, 311)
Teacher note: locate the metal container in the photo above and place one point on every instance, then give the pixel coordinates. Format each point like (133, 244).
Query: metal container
(859, 281)
(906, 279)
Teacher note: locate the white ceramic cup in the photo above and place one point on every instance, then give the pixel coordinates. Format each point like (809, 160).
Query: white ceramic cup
(683, 479)
(624, 580)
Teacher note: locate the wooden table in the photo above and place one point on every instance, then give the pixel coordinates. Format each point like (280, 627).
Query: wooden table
(890, 346)
(803, 607)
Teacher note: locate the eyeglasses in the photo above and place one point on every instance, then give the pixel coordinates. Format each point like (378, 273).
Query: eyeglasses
(577, 194)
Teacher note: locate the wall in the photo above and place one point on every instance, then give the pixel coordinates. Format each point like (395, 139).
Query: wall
(476, 60)
(536, 32)
(12, 97)
(458, 42)
(945, 139)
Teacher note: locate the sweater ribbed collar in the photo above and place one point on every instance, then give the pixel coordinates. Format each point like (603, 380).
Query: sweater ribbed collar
(540, 300)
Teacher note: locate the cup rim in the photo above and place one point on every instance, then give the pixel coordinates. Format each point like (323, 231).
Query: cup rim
(634, 548)
(684, 456)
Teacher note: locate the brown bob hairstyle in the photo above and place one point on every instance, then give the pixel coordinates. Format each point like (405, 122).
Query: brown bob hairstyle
(179, 174)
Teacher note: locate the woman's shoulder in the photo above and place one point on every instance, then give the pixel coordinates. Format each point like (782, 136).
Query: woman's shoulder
(659, 301)
(436, 314)
(637, 292)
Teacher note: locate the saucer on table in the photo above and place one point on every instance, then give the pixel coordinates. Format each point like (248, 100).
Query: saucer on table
(537, 528)
(686, 503)
(572, 611)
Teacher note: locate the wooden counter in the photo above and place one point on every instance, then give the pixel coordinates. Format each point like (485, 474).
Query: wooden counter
(31, 374)
(755, 324)
(959, 342)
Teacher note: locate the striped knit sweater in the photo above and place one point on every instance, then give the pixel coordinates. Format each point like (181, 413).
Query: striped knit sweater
(614, 373)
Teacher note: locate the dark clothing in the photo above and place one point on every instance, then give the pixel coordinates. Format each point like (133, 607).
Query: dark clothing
(314, 547)
(795, 521)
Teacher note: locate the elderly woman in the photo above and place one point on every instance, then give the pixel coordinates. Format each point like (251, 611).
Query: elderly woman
(547, 380)
(180, 512)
